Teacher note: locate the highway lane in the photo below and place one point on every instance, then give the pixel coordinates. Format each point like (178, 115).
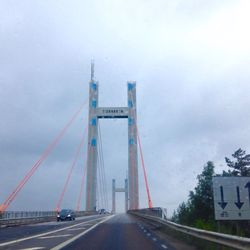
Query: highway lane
(121, 231)
(45, 235)
(10, 233)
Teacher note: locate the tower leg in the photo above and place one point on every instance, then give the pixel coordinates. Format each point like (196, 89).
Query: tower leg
(113, 196)
(126, 195)
(91, 183)
(132, 148)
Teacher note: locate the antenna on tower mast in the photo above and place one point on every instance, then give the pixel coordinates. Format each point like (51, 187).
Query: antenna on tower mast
(92, 70)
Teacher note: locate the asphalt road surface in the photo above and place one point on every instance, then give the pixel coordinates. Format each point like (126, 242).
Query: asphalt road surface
(118, 232)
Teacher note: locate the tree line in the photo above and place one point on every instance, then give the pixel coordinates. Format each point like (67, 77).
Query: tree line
(198, 210)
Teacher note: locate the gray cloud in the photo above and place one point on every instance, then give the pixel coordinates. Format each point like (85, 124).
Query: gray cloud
(191, 64)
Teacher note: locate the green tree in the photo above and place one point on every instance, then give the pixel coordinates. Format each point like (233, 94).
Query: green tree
(199, 207)
(182, 214)
(202, 198)
(241, 163)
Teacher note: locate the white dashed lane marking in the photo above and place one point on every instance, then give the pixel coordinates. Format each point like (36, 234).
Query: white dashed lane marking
(153, 238)
(163, 246)
(55, 236)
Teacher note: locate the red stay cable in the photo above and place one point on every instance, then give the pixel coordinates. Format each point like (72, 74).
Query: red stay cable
(82, 183)
(150, 205)
(58, 206)
(47, 151)
(81, 189)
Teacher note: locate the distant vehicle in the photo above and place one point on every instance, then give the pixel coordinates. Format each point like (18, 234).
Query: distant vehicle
(102, 211)
(66, 214)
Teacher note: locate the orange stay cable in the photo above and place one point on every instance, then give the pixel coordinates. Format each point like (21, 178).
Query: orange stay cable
(47, 151)
(150, 205)
(82, 183)
(58, 206)
(81, 189)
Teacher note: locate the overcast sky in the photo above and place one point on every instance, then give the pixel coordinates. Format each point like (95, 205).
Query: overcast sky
(190, 59)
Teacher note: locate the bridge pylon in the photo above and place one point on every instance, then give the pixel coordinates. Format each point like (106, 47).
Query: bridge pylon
(119, 190)
(96, 113)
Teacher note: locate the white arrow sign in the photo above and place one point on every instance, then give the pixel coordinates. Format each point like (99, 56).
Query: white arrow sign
(231, 198)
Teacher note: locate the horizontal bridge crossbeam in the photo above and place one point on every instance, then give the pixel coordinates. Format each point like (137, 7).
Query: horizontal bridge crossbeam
(112, 113)
(120, 190)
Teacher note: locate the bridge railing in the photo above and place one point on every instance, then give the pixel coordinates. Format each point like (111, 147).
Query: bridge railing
(158, 212)
(14, 218)
(26, 214)
(221, 239)
(11, 218)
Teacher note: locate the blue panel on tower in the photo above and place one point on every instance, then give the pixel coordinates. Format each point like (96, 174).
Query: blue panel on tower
(130, 104)
(93, 122)
(94, 86)
(131, 141)
(130, 86)
(93, 103)
(130, 121)
(93, 142)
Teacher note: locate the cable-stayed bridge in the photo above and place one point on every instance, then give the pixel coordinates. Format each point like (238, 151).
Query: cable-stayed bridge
(95, 228)
(93, 175)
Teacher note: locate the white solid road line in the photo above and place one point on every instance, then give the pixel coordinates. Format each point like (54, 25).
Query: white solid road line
(64, 244)
(32, 248)
(55, 236)
(43, 234)
(75, 229)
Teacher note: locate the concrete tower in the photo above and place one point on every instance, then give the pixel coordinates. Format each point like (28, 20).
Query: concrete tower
(92, 144)
(118, 190)
(96, 113)
(132, 148)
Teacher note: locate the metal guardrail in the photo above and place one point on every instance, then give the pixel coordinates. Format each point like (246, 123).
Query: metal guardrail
(15, 218)
(219, 238)
(8, 215)
(155, 211)
(24, 221)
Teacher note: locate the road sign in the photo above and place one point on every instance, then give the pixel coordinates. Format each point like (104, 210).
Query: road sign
(231, 198)
(121, 112)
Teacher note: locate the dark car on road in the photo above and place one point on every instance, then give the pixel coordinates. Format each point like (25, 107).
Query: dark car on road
(103, 211)
(66, 214)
